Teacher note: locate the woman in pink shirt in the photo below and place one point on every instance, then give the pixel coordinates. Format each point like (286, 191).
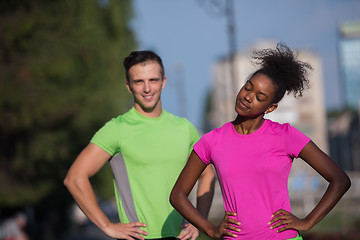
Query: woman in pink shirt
(253, 157)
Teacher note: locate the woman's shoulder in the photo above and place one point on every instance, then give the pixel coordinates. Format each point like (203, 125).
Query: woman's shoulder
(220, 130)
(278, 127)
(217, 134)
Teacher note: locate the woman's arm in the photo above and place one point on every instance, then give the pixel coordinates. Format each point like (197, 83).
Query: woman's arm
(339, 183)
(179, 199)
(204, 197)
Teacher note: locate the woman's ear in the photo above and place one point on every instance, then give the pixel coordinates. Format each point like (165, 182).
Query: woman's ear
(271, 108)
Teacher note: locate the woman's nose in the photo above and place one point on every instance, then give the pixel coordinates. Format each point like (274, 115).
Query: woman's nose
(248, 97)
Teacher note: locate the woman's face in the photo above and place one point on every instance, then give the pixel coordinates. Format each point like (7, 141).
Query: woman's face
(256, 97)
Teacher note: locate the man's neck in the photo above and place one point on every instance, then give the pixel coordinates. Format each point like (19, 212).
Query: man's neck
(154, 113)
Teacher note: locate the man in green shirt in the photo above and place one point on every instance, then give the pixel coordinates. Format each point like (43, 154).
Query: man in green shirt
(147, 148)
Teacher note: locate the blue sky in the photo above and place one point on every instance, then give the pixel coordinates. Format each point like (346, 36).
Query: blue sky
(191, 36)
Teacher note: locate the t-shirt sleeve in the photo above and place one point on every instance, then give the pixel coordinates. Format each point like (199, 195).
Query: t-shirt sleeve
(104, 138)
(202, 148)
(295, 140)
(194, 136)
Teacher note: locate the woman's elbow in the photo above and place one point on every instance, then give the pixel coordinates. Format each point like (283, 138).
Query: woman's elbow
(343, 182)
(347, 182)
(173, 197)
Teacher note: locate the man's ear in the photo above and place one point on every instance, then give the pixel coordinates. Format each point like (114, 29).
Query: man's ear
(163, 82)
(271, 108)
(128, 86)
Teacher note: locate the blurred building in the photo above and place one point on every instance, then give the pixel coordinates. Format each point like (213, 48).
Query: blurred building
(349, 54)
(344, 130)
(344, 136)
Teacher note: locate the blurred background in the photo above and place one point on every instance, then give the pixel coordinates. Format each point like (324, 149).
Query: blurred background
(61, 78)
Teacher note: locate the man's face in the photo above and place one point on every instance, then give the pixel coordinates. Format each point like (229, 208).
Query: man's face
(146, 83)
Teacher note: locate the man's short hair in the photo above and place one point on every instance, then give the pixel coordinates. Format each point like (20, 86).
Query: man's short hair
(136, 57)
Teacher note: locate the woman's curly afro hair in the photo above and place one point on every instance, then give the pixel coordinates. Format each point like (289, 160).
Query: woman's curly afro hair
(282, 67)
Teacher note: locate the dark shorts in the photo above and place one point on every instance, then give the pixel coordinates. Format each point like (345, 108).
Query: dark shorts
(167, 238)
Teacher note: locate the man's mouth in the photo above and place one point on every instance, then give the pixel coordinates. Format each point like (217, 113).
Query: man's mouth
(148, 97)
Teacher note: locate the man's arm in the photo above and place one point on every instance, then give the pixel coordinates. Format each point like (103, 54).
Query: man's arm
(77, 180)
(205, 191)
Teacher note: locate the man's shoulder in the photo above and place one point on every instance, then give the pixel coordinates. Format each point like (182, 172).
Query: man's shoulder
(122, 118)
(175, 118)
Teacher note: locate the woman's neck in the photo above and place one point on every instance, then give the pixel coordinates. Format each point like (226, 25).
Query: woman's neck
(246, 126)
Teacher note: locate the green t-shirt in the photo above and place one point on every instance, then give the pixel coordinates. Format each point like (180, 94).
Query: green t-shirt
(148, 156)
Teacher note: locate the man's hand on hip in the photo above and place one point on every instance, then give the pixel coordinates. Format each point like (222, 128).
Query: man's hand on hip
(128, 231)
(189, 232)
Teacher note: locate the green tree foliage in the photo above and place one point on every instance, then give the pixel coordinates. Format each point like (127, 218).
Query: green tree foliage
(61, 78)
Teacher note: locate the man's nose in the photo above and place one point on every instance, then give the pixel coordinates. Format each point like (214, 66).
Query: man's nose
(147, 87)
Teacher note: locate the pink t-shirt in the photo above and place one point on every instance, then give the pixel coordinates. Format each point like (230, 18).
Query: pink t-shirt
(253, 173)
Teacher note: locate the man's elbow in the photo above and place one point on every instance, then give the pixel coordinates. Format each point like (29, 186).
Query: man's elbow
(69, 181)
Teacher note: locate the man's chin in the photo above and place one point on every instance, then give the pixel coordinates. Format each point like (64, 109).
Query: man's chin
(148, 109)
